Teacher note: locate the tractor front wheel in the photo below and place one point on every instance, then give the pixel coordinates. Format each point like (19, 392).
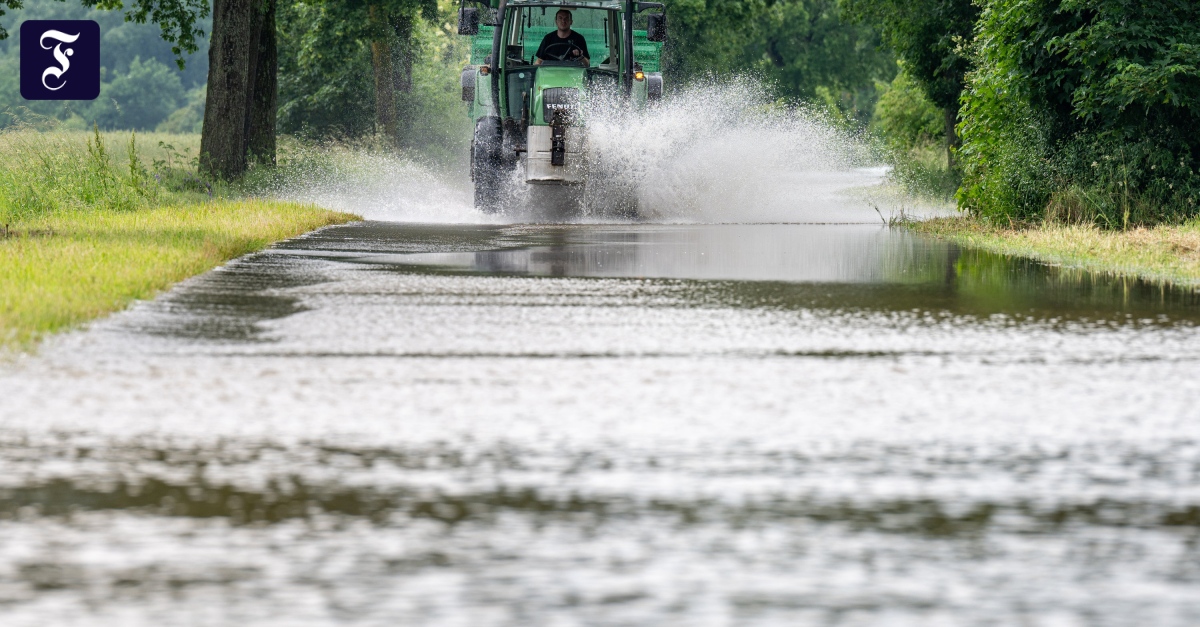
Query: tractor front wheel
(486, 164)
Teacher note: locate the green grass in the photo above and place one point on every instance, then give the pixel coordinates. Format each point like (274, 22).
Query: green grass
(91, 222)
(1168, 253)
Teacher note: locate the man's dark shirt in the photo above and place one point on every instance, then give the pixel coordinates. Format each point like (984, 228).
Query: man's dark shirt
(553, 38)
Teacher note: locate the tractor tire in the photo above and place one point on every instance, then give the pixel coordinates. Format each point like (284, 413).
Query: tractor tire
(487, 169)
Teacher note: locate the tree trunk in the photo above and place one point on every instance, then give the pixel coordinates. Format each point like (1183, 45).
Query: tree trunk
(260, 133)
(402, 54)
(251, 73)
(951, 116)
(402, 79)
(381, 62)
(223, 137)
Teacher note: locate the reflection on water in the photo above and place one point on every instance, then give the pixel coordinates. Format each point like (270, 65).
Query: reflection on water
(823, 266)
(279, 499)
(611, 425)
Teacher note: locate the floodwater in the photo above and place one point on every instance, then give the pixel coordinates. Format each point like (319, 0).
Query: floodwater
(406, 424)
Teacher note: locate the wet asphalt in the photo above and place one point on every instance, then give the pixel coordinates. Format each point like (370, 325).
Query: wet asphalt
(386, 423)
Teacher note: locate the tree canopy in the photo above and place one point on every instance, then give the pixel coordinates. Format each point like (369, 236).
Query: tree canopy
(929, 37)
(804, 47)
(179, 20)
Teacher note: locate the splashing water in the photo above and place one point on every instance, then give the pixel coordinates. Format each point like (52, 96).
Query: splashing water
(380, 186)
(724, 152)
(714, 152)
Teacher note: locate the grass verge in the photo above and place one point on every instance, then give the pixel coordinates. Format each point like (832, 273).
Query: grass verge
(90, 222)
(72, 267)
(1161, 253)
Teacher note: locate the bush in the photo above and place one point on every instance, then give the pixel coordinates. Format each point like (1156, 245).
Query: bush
(1084, 110)
(906, 117)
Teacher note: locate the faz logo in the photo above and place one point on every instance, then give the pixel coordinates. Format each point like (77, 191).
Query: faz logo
(60, 60)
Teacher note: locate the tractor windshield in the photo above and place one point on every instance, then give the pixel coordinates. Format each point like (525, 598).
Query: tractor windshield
(596, 26)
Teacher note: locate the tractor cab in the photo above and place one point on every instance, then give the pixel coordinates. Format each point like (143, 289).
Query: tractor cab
(529, 110)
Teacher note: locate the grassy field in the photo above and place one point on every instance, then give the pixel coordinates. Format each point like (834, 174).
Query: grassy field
(91, 222)
(1162, 253)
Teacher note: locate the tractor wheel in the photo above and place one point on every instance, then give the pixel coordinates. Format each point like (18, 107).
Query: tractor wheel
(486, 166)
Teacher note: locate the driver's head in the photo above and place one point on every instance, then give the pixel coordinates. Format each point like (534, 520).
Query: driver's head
(562, 19)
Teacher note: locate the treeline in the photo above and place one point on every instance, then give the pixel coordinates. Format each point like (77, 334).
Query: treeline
(1083, 110)
(388, 68)
(1078, 110)
(142, 87)
(327, 55)
(354, 69)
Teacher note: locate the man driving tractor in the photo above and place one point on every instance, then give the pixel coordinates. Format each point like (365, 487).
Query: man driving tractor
(530, 126)
(563, 44)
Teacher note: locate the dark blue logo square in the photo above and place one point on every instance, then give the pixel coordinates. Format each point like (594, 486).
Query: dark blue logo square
(60, 60)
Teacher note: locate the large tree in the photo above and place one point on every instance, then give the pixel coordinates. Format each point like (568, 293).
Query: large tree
(930, 37)
(239, 111)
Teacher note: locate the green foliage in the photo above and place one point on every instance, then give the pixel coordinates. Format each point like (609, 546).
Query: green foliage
(1005, 155)
(189, 118)
(9, 5)
(121, 43)
(804, 47)
(905, 116)
(1084, 110)
(325, 83)
(181, 22)
(928, 37)
(432, 119)
(327, 91)
(138, 99)
(924, 173)
(912, 129)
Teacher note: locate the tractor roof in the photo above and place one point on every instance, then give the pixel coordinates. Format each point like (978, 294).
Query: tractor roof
(569, 4)
(585, 4)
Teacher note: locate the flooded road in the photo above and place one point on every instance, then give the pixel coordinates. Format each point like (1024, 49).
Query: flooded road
(405, 424)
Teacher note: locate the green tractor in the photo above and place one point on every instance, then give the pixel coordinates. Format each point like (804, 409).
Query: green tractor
(527, 87)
